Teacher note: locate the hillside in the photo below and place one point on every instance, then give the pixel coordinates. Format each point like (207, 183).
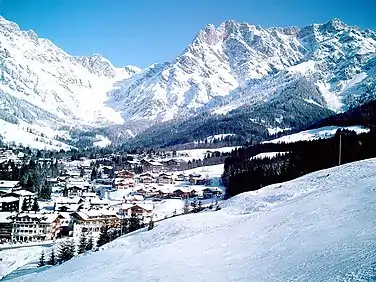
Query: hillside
(265, 235)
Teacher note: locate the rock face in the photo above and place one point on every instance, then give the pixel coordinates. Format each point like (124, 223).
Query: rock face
(239, 64)
(330, 66)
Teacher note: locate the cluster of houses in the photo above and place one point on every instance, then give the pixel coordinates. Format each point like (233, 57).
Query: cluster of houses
(156, 166)
(82, 204)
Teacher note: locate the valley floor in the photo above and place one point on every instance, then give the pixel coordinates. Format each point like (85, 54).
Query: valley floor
(320, 227)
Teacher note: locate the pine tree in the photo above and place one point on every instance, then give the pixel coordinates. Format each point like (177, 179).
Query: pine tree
(89, 244)
(82, 172)
(103, 235)
(35, 206)
(45, 192)
(94, 173)
(52, 260)
(82, 244)
(24, 206)
(124, 226)
(151, 224)
(66, 251)
(65, 191)
(200, 208)
(41, 260)
(30, 184)
(134, 223)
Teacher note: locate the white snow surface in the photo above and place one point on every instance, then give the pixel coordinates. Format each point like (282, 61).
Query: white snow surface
(267, 155)
(31, 135)
(274, 130)
(196, 154)
(12, 259)
(102, 142)
(210, 170)
(332, 100)
(304, 67)
(320, 227)
(317, 133)
(130, 133)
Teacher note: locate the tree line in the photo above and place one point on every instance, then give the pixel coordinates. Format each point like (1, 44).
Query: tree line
(33, 177)
(242, 173)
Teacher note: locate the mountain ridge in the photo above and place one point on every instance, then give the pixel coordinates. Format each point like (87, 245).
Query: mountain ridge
(224, 69)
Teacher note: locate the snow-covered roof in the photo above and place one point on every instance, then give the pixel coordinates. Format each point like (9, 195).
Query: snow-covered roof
(148, 207)
(8, 184)
(99, 201)
(152, 162)
(107, 166)
(89, 194)
(90, 214)
(23, 193)
(66, 200)
(155, 163)
(8, 199)
(44, 218)
(134, 198)
(66, 215)
(133, 162)
(124, 180)
(70, 207)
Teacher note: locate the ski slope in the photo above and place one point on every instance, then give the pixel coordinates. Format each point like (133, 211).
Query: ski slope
(320, 227)
(317, 133)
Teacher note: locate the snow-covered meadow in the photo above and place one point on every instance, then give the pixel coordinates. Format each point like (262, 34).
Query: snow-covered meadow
(317, 133)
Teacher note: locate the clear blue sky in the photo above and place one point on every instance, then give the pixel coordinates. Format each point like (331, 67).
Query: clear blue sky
(140, 32)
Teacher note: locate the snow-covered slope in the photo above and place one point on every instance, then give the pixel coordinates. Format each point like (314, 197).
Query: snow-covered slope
(42, 84)
(318, 133)
(320, 227)
(33, 136)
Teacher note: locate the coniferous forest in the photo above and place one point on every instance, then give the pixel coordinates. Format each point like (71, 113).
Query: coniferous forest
(242, 174)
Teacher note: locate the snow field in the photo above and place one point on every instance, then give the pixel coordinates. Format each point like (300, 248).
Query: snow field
(317, 133)
(320, 227)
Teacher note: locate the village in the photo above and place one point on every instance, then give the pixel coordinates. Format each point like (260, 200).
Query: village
(90, 193)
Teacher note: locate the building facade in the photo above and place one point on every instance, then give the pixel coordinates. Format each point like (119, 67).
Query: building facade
(28, 227)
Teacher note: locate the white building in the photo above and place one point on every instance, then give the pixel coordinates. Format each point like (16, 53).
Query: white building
(29, 227)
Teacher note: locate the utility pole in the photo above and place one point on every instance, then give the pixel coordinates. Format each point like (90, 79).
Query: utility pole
(340, 149)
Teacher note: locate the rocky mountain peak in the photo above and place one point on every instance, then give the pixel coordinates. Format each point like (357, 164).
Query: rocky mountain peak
(98, 64)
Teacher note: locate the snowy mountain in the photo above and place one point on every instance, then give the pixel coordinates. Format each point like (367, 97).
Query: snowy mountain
(42, 84)
(303, 73)
(239, 64)
(320, 227)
